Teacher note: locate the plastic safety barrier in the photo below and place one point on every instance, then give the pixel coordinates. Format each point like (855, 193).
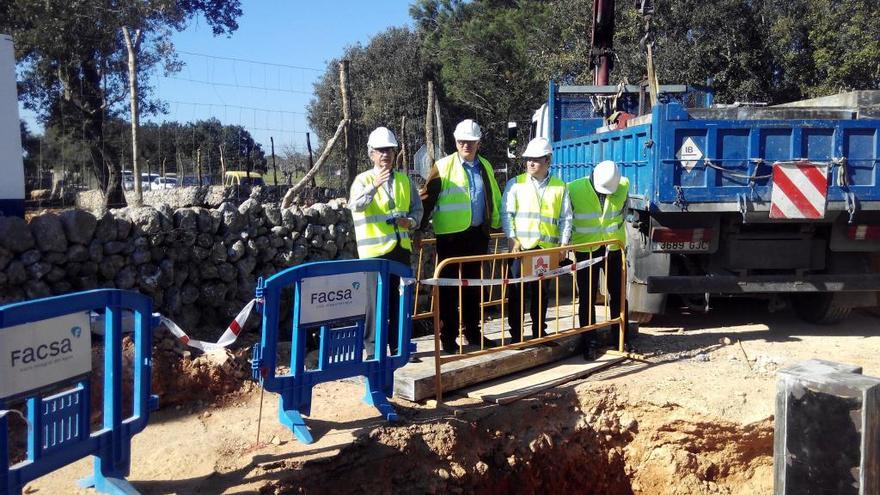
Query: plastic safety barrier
(59, 413)
(333, 298)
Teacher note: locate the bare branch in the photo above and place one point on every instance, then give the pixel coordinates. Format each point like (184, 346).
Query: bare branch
(292, 192)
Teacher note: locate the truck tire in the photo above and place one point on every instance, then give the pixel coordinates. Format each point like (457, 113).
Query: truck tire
(823, 308)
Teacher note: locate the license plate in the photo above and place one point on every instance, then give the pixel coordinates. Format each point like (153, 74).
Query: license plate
(694, 246)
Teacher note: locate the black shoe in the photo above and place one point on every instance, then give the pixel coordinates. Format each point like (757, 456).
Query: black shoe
(449, 347)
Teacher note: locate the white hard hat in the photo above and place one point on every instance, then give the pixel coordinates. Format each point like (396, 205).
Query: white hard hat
(382, 137)
(537, 148)
(467, 130)
(606, 177)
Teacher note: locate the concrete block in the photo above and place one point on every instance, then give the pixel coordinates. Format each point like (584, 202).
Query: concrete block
(827, 434)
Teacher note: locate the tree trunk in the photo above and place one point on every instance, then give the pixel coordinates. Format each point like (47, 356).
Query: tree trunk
(291, 193)
(429, 124)
(350, 161)
(132, 44)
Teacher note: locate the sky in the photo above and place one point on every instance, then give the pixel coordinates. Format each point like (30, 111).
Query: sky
(261, 77)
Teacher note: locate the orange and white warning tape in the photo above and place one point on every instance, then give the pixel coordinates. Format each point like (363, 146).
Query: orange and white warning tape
(228, 337)
(484, 282)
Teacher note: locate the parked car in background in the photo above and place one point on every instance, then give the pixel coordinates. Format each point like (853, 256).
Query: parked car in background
(127, 180)
(243, 178)
(147, 181)
(163, 183)
(192, 181)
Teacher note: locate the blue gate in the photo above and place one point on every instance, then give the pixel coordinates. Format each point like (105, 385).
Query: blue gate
(341, 350)
(60, 432)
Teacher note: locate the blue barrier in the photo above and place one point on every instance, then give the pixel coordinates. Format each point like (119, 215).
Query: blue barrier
(341, 339)
(60, 431)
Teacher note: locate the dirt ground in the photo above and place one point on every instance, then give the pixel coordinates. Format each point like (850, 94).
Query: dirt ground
(697, 420)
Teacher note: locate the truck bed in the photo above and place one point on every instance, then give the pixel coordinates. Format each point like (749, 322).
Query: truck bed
(720, 159)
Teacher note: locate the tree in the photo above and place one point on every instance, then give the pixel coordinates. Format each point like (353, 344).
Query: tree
(387, 82)
(73, 61)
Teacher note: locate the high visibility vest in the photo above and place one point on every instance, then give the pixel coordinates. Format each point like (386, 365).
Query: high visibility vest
(453, 211)
(593, 222)
(375, 236)
(536, 218)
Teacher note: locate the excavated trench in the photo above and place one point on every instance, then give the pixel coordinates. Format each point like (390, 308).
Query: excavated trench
(574, 440)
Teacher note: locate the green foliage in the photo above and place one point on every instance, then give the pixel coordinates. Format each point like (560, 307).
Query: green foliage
(387, 82)
(72, 60)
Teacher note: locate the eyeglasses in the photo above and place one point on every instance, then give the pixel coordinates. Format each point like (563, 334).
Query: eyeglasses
(382, 151)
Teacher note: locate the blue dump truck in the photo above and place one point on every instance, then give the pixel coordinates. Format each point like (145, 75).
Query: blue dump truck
(742, 199)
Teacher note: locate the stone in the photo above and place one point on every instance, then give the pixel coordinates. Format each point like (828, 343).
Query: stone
(37, 270)
(73, 269)
(205, 240)
(126, 278)
(213, 294)
(15, 234)
(227, 272)
(36, 289)
(331, 248)
(250, 207)
(148, 277)
(325, 214)
(77, 253)
(273, 215)
(209, 271)
(5, 258)
(30, 256)
(111, 266)
(166, 216)
(189, 294)
(114, 247)
(79, 225)
(236, 251)
(61, 287)
(218, 253)
(145, 219)
(199, 253)
(15, 273)
(96, 251)
(105, 229)
(166, 273)
(49, 233)
(233, 221)
(141, 256)
(246, 265)
(89, 268)
(86, 282)
(186, 219)
(123, 226)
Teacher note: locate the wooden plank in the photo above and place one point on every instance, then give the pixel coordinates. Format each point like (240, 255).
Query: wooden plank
(509, 389)
(416, 381)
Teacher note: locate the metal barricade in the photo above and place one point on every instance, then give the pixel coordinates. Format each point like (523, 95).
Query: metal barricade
(497, 244)
(341, 326)
(505, 283)
(59, 429)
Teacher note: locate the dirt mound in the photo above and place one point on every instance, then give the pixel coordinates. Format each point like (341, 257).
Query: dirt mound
(573, 441)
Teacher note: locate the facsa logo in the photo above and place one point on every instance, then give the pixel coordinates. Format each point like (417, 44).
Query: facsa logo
(29, 355)
(331, 296)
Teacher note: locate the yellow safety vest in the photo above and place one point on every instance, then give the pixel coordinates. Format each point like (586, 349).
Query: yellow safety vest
(536, 218)
(453, 211)
(375, 236)
(593, 222)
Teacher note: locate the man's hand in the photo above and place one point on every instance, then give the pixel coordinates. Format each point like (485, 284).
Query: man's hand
(515, 246)
(404, 222)
(382, 177)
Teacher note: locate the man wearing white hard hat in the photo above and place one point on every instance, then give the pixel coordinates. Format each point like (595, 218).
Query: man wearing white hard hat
(385, 206)
(465, 202)
(536, 215)
(599, 202)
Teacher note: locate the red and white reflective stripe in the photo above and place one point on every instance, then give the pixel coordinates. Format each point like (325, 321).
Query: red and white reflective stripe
(862, 232)
(665, 234)
(485, 282)
(800, 190)
(228, 337)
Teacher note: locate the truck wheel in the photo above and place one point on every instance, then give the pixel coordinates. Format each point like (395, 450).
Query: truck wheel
(823, 308)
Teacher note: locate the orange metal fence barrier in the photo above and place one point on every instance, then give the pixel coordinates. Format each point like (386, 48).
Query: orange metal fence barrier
(503, 284)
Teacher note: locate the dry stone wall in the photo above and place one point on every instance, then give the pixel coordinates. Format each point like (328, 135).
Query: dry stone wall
(200, 265)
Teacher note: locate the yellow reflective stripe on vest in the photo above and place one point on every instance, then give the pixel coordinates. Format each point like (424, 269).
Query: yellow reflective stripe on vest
(375, 236)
